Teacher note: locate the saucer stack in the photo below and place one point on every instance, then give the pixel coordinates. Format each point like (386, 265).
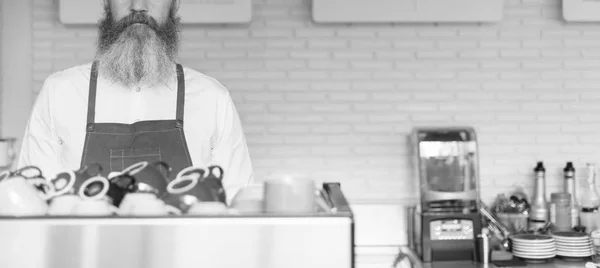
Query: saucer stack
(533, 246)
(573, 244)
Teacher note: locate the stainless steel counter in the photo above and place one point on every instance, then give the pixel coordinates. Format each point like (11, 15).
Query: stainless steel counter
(556, 263)
(262, 241)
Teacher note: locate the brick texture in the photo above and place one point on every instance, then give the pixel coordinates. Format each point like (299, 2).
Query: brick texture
(336, 101)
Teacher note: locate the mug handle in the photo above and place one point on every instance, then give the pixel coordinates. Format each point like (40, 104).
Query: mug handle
(37, 170)
(172, 210)
(5, 175)
(185, 175)
(193, 180)
(135, 168)
(56, 191)
(218, 175)
(86, 168)
(165, 166)
(100, 194)
(114, 178)
(45, 183)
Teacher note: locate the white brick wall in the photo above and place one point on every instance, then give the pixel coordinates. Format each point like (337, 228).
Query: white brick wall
(336, 101)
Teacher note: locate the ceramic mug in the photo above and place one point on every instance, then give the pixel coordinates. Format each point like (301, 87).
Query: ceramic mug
(63, 205)
(208, 208)
(94, 207)
(183, 202)
(46, 188)
(150, 177)
(249, 199)
(203, 183)
(289, 195)
(18, 197)
(94, 201)
(94, 188)
(145, 204)
(120, 185)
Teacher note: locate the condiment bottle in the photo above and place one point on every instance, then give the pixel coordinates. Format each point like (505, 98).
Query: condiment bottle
(538, 215)
(560, 212)
(590, 201)
(570, 187)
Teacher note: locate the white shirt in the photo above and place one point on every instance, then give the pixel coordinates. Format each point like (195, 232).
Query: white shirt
(55, 133)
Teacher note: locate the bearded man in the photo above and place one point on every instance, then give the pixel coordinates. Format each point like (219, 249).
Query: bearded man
(130, 104)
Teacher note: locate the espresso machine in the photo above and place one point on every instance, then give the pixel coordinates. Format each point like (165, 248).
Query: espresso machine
(447, 219)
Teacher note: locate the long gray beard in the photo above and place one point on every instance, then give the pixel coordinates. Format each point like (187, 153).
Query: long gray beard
(138, 56)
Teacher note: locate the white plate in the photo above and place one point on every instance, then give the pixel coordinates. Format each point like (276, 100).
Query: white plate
(534, 246)
(574, 248)
(572, 241)
(570, 235)
(529, 256)
(531, 239)
(534, 252)
(532, 242)
(574, 254)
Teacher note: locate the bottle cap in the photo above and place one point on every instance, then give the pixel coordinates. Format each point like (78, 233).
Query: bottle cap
(539, 166)
(569, 167)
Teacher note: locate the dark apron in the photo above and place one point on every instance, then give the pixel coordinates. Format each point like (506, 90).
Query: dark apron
(116, 146)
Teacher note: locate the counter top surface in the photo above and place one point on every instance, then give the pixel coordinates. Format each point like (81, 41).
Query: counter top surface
(555, 263)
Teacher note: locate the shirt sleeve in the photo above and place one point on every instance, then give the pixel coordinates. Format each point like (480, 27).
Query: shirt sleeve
(40, 146)
(230, 150)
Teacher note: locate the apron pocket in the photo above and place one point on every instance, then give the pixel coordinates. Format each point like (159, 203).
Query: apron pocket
(122, 158)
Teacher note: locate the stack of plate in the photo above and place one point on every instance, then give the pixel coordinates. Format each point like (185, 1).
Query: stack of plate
(533, 246)
(573, 244)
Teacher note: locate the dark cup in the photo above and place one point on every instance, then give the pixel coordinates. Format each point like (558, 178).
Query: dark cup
(203, 184)
(149, 177)
(85, 173)
(120, 185)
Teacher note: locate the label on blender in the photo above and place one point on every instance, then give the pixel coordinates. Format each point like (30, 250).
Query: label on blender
(451, 229)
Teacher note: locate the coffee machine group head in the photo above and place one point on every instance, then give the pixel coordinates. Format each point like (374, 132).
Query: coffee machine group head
(446, 160)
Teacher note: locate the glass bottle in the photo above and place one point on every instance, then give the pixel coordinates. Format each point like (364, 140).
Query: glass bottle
(538, 214)
(570, 187)
(590, 200)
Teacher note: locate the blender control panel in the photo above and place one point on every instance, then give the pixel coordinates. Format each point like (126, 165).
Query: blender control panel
(455, 229)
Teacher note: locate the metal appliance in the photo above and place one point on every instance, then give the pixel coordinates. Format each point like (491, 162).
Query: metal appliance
(447, 219)
(322, 240)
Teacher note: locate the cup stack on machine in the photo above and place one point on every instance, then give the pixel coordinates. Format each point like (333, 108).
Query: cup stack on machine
(147, 189)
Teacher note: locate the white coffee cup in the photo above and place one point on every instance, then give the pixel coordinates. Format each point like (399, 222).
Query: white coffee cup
(18, 197)
(63, 205)
(94, 207)
(289, 194)
(145, 204)
(249, 199)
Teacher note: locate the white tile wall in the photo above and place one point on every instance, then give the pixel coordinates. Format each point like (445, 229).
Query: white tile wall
(337, 100)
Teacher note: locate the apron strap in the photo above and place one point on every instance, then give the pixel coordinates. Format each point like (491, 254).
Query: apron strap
(180, 96)
(91, 112)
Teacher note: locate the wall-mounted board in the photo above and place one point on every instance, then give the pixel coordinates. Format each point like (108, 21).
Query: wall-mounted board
(347, 11)
(581, 10)
(191, 11)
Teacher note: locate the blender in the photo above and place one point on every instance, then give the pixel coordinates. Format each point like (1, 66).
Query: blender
(447, 219)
